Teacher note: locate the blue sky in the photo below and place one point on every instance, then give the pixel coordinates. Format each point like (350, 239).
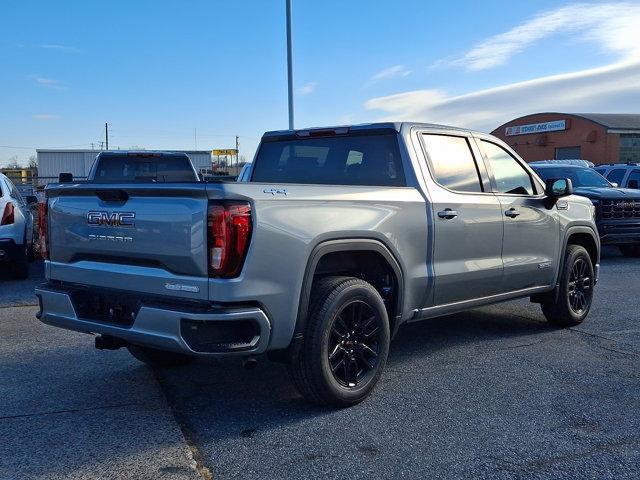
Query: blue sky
(158, 70)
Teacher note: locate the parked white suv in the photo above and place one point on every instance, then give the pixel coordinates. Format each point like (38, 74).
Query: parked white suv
(16, 228)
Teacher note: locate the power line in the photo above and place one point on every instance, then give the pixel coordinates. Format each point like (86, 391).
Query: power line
(36, 148)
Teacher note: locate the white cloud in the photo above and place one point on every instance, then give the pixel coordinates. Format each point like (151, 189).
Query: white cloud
(397, 71)
(46, 116)
(613, 27)
(307, 88)
(47, 82)
(611, 88)
(615, 87)
(60, 48)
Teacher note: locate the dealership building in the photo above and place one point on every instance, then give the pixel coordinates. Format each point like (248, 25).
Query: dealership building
(596, 137)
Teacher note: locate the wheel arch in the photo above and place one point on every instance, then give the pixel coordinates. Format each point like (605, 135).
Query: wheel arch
(324, 252)
(585, 237)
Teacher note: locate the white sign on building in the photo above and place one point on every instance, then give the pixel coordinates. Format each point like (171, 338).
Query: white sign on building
(536, 128)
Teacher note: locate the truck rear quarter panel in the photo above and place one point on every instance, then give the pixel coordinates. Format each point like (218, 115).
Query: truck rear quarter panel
(289, 221)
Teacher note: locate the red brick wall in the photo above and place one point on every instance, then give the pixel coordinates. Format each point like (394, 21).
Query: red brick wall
(596, 145)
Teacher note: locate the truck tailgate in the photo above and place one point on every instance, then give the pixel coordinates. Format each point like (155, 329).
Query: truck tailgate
(113, 229)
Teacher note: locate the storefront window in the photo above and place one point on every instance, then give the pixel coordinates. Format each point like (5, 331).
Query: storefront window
(630, 147)
(568, 153)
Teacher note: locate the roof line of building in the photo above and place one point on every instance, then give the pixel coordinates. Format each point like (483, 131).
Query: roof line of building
(83, 150)
(584, 116)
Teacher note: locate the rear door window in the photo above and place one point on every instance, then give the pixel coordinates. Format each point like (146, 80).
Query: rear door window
(634, 179)
(341, 160)
(452, 163)
(616, 175)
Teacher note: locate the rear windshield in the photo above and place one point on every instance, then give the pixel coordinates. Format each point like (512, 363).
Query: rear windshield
(343, 160)
(138, 168)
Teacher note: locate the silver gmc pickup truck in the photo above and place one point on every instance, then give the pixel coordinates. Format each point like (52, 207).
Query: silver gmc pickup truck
(338, 237)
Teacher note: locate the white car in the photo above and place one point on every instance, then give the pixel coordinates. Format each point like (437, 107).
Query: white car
(245, 173)
(16, 228)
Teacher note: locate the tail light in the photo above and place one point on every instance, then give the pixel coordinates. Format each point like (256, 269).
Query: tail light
(43, 228)
(229, 231)
(8, 216)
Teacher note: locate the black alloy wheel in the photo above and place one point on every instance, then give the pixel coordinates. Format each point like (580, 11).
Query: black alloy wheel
(580, 286)
(570, 303)
(345, 343)
(354, 344)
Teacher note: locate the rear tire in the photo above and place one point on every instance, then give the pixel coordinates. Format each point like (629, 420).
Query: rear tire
(159, 358)
(630, 250)
(20, 264)
(345, 344)
(575, 294)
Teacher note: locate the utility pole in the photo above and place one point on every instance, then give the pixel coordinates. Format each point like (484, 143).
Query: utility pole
(237, 153)
(106, 135)
(289, 65)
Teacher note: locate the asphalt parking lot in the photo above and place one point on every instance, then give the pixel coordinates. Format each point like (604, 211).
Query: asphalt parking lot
(492, 393)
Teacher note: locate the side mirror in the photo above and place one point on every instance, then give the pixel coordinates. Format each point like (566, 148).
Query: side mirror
(614, 185)
(65, 178)
(633, 184)
(558, 187)
(31, 199)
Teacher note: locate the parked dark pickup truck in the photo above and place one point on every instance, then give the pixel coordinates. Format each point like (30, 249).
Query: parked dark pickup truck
(617, 209)
(339, 236)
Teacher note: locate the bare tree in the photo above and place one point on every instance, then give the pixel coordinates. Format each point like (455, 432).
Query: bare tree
(33, 162)
(13, 163)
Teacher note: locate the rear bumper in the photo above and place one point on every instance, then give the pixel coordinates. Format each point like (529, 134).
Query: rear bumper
(165, 327)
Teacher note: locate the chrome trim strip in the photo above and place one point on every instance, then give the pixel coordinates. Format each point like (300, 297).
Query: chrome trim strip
(439, 310)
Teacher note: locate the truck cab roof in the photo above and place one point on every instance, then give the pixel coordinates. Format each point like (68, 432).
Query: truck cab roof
(362, 129)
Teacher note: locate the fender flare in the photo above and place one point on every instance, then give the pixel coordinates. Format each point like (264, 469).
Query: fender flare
(343, 245)
(579, 229)
(565, 242)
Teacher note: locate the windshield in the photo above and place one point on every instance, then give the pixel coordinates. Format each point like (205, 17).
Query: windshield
(580, 177)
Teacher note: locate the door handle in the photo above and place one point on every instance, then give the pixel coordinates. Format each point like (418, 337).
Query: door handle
(447, 214)
(512, 213)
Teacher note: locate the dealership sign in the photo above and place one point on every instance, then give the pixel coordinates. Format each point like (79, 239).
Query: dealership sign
(536, 128)
(224, 151)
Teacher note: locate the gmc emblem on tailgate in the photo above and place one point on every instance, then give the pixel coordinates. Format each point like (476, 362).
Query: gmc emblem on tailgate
(114, 219)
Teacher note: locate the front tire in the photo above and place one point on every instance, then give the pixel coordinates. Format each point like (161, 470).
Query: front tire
(345, 344)
(159, 358)
(630, 250)
(575, 294)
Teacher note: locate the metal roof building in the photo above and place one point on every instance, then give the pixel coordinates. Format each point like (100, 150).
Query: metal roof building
(614, 121)
(52, 162)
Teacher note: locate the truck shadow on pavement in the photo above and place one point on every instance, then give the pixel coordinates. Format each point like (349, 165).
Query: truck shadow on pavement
(216, 400)
(20, 292)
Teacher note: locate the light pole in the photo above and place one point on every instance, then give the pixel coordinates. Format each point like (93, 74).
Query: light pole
(289, 65)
